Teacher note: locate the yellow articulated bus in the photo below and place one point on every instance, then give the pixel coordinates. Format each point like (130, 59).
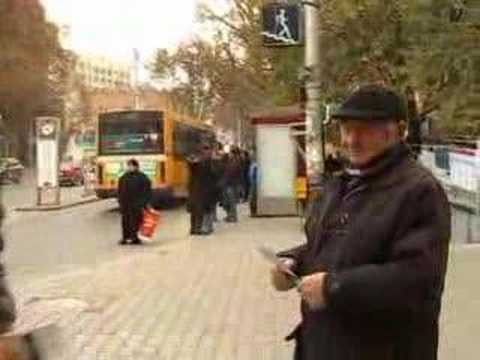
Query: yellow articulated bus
(159, 140)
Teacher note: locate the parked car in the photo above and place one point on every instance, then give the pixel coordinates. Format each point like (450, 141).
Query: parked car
(11, 170)
(71, 173)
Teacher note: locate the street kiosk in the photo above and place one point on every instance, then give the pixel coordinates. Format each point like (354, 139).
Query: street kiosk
(280, 152)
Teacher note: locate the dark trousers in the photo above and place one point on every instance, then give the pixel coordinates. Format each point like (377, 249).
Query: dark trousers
(253, 200)
(230, 201)
(208, 219)
(248, 189)
(196, 222)
(131, 221)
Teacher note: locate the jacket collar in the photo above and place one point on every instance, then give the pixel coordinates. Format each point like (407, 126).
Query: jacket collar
(384, 162)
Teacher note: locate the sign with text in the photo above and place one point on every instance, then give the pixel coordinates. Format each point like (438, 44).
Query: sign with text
(47, 131)
(281, 25)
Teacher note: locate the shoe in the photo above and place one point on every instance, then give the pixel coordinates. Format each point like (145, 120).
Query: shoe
(136, 242)
(122, 242)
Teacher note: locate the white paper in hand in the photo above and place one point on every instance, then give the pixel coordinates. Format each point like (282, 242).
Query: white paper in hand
(270, 255)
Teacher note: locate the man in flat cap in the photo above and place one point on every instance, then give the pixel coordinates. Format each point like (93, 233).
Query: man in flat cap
(372, 271)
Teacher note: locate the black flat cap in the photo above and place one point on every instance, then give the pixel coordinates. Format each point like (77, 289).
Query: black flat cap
(372, 103)
(133, 162)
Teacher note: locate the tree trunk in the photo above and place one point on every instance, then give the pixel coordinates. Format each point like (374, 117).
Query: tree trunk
(414, 137)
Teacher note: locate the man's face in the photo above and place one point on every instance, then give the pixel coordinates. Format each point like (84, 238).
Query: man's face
(131, 168)
(363, 141)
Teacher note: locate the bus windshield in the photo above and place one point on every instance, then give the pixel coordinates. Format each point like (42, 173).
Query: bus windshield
(131, 133)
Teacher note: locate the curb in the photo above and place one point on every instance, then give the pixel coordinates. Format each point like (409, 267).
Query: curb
(57, 207)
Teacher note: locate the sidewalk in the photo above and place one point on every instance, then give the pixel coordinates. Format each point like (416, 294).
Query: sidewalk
(69, 197)
(179, 298)
(194, 298)
(23, 197)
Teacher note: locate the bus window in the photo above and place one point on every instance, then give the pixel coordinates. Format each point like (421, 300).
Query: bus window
(125, 135)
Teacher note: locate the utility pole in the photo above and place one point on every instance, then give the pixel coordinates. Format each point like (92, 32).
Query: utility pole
(281, 27)
(136, 75)
(314, 134)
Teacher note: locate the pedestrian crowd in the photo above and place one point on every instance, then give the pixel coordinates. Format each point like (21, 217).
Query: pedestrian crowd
(217, 179)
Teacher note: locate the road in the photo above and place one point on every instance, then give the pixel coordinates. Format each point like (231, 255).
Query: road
(183, 297)
(24, 194)
(19, 194)
(48, 242)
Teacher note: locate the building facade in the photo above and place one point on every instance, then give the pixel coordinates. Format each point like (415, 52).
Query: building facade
(98, 72)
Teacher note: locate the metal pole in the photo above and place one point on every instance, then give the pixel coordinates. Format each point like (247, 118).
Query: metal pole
(477, 178)
(136, 80)
(312, 86)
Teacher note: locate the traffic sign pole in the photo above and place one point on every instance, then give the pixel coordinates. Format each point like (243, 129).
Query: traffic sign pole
(314, 132)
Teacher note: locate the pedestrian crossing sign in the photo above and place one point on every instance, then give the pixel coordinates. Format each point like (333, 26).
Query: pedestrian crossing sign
(281, 25)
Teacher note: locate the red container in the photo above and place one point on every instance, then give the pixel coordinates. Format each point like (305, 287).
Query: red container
(151, 218)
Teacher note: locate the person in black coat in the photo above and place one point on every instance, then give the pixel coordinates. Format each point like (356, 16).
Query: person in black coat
(372, 273)
(134, 195)
(202, 192)
(218, 167)
(231, 181)
(246, 161)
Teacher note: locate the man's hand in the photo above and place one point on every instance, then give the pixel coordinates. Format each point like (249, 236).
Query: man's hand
(312, 290)
(280, 278)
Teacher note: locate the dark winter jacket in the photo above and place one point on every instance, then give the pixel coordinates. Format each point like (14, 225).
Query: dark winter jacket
(218, 167)
(203, 186)
(134, 191)
(233, 175)
(383, 239)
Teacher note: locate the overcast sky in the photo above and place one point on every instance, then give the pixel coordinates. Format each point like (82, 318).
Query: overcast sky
(115, 27)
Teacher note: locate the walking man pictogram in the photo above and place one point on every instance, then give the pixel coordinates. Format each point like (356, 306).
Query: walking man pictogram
(281, 25)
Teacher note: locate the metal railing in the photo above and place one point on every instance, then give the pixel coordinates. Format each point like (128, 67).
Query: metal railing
(458, 170)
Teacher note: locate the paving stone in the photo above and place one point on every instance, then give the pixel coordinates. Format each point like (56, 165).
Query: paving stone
(206, 299)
